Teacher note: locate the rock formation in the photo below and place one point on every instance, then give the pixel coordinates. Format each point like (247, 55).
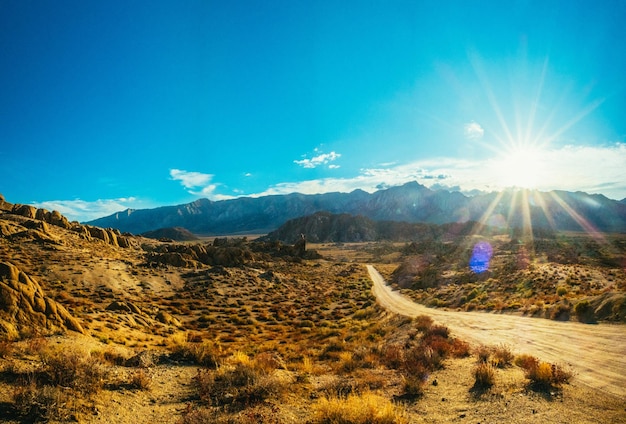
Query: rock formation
(4, 205)
(23, 305)
(43, 216)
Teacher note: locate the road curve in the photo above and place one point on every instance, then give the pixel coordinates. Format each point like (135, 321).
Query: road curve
(596, 353)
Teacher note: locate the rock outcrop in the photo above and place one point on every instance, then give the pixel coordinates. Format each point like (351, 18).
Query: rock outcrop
(43, 216)
(24, 305)
(190, 256)
(24, 210)
(4, 205)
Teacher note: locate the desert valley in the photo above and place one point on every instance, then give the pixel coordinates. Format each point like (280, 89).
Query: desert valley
(358, 322)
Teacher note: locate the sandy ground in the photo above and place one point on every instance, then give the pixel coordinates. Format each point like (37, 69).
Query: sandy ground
(596, 352)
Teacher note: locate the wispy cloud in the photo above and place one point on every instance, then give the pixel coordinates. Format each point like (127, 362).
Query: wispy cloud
(321, 159)
(195, 183)
(572, 168)
(82, 210)
(473, 130)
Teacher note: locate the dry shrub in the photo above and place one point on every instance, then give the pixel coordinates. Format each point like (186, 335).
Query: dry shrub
(543, 376)
(198, 416)
(484, 376)
(502, 356)
(239, 381)
(437, 344)
(347, 363)
(413, 386)
(340, 387)
(560, 312)
(436, 331)
(141, 379)
(584, 311)
(332, 349)
(44, 403)
(392, 356)
(113, 356)
(352, 361)
(525, 361)
(483, 353)
(267, 414)
(268, 362)
(73, 368)
(460, 348)
(423, 322)
(366, 408)
(540, 376)
(206, 353)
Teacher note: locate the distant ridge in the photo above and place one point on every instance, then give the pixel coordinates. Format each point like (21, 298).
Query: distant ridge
(324, 227)
(171, 233)
(411, 202)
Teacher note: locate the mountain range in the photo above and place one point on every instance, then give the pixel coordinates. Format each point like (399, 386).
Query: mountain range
(324, 227)
(411, 202)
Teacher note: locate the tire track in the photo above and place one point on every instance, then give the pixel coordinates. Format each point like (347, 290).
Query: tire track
(596, 352)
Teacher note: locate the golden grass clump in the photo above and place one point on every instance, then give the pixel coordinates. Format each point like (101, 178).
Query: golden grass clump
(502, 356)
(74, 368)
(484, 376)
(205, 352)
(240, 380)
(366, 408)
(543, 376)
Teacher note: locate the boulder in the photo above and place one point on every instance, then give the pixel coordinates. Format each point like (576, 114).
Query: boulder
(55, 218)
(99, 233)
(24, 210)
(4, 205)
(24, 305)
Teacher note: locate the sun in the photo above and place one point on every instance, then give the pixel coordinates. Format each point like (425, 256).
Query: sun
(521, 167)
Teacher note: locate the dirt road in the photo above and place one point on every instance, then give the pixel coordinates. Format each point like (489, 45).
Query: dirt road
(596, 353)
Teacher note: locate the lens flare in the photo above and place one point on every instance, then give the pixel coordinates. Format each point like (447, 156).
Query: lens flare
(481, 255)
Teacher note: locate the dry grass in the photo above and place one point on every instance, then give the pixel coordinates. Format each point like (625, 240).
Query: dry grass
(502, 356)
(76, 369)
(270, 341)
(484, 376)
(239, 380)
(366, 408)
(543, 376)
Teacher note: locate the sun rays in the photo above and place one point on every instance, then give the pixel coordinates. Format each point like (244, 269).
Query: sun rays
(528, 119)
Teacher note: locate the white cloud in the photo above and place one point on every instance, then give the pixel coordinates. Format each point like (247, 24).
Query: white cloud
(318, 160)
(82, 210)
(594, 169)
(473, 130)
(195, 183)
(190, 179)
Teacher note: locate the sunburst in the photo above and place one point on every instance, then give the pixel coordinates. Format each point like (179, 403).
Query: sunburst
(522, 160)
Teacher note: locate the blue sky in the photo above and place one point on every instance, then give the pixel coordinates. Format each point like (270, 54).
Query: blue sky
(117, 104)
